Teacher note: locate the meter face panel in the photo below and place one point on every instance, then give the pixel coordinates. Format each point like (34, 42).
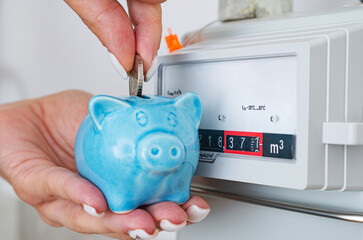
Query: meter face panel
(246, 111)
(264, 103)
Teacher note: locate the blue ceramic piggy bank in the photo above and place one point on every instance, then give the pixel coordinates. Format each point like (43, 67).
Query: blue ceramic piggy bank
(140, 151)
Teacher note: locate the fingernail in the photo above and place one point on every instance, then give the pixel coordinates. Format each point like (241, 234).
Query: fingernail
(122, 212)
(141, 234)
(168, 226)
(92, 211)
(119, 68)
(152, 69)
(196, 214)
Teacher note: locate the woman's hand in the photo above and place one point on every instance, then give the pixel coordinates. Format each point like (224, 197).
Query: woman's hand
(36, 158)
(110, 23)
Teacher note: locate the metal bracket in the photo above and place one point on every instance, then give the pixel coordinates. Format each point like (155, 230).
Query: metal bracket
(339, 215)
(343, 133)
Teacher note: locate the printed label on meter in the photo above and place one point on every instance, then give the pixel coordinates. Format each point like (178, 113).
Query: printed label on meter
(247, 143)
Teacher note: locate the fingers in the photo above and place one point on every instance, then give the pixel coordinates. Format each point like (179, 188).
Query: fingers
(111, 24)
(72, 216)
(49, 183)
(196, 208)
(146, 17)
(169, 216)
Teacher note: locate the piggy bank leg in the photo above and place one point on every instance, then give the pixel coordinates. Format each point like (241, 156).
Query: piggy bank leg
(119, 202)
(179, 184)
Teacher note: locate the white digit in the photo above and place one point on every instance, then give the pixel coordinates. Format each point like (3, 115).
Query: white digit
(281, 144)
(243, 141)
(210, 141)
(230, 145)
(220, 142)
(200, 137)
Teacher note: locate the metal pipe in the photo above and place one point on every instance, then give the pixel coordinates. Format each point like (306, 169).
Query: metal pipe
(339, 215)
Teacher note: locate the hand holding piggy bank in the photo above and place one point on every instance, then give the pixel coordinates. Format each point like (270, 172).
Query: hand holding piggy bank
(140, 151)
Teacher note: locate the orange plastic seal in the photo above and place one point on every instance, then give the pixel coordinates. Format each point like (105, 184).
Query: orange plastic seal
(172, 41)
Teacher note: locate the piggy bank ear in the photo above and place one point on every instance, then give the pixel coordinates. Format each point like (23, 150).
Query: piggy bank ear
(99, 106)
(191, 105)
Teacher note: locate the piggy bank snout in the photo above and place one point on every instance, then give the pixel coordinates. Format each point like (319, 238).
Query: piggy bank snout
(160, 152)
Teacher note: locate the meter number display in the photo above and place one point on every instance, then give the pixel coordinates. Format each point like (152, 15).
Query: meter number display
(248, 143)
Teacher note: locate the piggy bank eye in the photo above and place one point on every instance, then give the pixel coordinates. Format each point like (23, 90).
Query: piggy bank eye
(172, 119)
(141, 118)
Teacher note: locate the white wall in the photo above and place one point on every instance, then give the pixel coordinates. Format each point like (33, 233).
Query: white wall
(183, 16)
(46, 48)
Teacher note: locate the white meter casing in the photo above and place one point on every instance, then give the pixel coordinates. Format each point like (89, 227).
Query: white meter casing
(282, 99)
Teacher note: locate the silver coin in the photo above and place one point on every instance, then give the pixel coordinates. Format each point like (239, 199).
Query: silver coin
(137, 77)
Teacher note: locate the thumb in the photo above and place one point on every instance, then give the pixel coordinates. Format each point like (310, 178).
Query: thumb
(50, 182)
